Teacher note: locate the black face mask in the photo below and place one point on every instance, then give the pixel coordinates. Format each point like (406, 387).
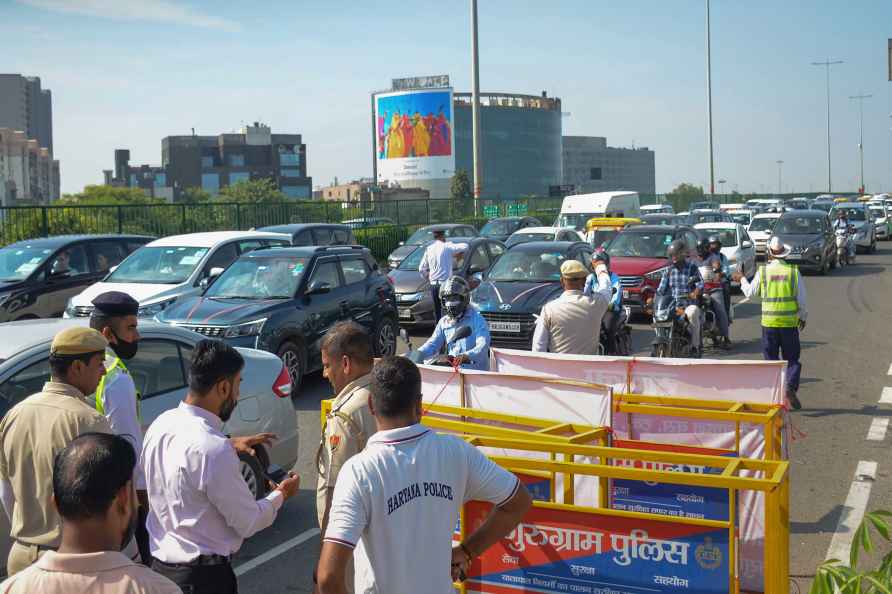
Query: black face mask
(679, 264)
(123, 349)
(227, 409)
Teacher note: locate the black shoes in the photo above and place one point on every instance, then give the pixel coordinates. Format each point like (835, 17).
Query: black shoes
(793, 399)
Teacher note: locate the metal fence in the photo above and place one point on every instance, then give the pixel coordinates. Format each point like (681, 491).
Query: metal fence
(392, 221)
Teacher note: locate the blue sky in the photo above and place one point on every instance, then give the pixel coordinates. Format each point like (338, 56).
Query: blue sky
(125, 73)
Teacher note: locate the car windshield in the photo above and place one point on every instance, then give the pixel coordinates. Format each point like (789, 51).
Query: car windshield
(825, 206)
(528, 266)
(707, 217)
(18, 262)
(426, 235)
(499, 228)
(576, 220)
(527, 237)
(741, 218)
(158, 265)
(798, 226)
(658, 219)
(259, 278)
(704, 205)
(412, 262)
(728, 237)
(878, 211)
(763, 224)
(853, 214)
(637, 244)
(601, 238)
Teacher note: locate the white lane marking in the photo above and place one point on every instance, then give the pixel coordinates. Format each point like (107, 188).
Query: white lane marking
(886, 398)
(276, 551)
(877, 431)
(853, 511)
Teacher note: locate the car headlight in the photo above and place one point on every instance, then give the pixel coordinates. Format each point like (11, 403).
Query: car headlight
(246, 329)
(410, 297)
(153, 309)
(656, 275)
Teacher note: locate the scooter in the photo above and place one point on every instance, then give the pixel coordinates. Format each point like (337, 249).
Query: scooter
(844, 237)
(672, 329)
(441, 359)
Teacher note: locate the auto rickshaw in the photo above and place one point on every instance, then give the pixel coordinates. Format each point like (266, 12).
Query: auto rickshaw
(600, 231)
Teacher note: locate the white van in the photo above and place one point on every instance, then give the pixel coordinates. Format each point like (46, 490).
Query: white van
(577, 210)
(657, 209)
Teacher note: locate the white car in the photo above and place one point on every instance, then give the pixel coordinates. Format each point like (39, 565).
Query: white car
(742, 215)
(542, 234)
(881, 213)
(159, 371)
(760, 231)
(737, 246)
(160, 272)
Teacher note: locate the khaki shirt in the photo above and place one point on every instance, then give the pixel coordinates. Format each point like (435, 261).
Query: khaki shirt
(106, 572)
(571, 324)
(31, 434)
(348, 427)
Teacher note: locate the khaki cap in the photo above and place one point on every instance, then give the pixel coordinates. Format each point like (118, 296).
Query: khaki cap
(78, 341)
(573, 269)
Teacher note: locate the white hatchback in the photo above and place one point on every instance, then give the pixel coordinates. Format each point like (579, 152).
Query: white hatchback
(737, 246)
(760, 231)
(160, 272)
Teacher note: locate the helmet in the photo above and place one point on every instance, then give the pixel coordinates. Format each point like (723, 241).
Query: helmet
(455, 294)
(715, 239)
(703, 247)
(602, 256)
(676, 247)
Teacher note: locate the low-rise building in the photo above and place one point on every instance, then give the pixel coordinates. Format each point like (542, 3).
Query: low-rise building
(365, 190)
(592, 166)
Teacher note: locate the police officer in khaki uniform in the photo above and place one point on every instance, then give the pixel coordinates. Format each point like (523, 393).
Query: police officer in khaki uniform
(571, 324)
(36, 429)
(347, 363)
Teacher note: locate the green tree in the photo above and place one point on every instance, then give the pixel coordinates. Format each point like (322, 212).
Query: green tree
(107, 195)
(683, 195)
(461, 193)
(262, 190)
(194, 196)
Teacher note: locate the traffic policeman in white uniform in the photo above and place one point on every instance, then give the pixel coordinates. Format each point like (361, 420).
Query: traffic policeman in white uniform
(397, 501)
(115, 317)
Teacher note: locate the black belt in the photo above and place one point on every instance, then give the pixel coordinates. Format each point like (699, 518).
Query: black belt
(200, 561)
(40, 547)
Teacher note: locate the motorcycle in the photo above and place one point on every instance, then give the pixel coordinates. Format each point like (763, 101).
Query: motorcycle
(672, 329)
(712, 284)
(442, 360)
(623, 336)
(844, 238)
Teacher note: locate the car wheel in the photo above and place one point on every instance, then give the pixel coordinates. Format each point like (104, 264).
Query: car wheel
(292, 357)
(250, 469)
(385, 337)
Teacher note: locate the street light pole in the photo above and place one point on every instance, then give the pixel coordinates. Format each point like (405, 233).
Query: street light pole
(709, 104)
(475, 108)
(780, 165)
(827, 64)
(861, 99)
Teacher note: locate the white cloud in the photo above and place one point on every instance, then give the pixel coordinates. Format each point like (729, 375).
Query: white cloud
(159, 11)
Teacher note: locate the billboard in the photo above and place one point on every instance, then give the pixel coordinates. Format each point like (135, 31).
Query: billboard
(414, 132)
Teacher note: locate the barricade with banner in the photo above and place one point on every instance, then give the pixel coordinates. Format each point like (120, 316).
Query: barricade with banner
(574, 548)
(668, 389)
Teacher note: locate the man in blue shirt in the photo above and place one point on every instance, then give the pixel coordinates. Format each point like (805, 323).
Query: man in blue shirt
(677, 281)
(471, 352)
(611, 318)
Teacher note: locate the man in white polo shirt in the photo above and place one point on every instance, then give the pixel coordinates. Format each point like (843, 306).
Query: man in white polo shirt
(436, 265)
(397, 501)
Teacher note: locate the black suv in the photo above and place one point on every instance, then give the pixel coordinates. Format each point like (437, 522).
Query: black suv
(284, 299)
(38, 276)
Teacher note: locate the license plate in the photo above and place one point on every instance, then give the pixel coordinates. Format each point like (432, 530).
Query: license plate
(625, 293)
(662, 324)
(505, 327)
(405, 313)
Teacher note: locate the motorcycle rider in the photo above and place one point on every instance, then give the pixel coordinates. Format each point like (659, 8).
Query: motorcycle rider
(612, 316)
(842, 222)
(719, 264)
(471, 352)
(677, 282)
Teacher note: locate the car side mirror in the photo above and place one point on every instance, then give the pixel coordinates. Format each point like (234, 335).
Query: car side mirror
(318, 288)
(746, 245)
(215, 272)
(204, 283)
(475, 270)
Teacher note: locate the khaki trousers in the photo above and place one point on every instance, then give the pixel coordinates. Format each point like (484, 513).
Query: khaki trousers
(22, 556)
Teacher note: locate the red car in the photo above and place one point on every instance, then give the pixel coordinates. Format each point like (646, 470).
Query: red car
(638, 257)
